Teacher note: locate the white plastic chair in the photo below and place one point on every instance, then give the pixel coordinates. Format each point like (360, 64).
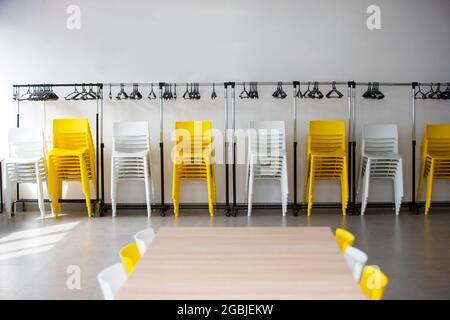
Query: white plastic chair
(111, 279)
(25, 164)
(356, 260)
(130, 159)
(143, 239)
(380, 160)
(267, 158)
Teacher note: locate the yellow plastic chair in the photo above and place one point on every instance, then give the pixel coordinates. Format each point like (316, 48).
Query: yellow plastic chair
(344, 239)
(71, 159)
(373, 282)
(435, 160)
(193, 159)
(326, 158)
(129, 256)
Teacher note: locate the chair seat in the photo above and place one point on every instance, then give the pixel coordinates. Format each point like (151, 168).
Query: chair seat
(138, 154)
(32, 160)
(386, 156)
(57, 152)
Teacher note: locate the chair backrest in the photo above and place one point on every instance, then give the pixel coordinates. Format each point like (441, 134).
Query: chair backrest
(132, 136)
(111, 279)
(356, 260)
(192, 137)
(129, 255)
(267, 137)
(26, 143)
(437, 139)
(344, 239)
(326, 136)
(72, 134)
(373, 282)
(143, 238)
(380, 138)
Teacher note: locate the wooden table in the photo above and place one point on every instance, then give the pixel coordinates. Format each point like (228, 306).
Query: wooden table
(242, 263)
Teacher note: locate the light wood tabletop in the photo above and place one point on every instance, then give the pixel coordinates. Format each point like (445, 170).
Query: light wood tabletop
(242, 263)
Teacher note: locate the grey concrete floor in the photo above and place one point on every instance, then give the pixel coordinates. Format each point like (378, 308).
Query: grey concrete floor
(413, 250)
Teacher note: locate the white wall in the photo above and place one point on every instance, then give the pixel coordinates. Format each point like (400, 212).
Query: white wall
(176, 40)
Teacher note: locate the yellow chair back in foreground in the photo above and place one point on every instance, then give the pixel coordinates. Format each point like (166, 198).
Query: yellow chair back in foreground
(192, 159)
(373, 282)
(326, 159)
(344, 239)
(435, 160)
(129, 256)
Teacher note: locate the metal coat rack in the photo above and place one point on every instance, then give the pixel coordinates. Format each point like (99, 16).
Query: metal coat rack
(229, 100)
(99, 202)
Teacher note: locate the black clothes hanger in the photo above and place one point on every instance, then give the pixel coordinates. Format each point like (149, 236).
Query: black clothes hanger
(419, 94)
(315, 93)
(244, 94)
(253, 93)
(122, 95)
(436, 94)
(214, 94)
(91, 95)
(186, 94)
(446, 94)
(151, 95)
(368, 93)
(306, 93)
(334, 93)
(279, 93)
(110, 94)
(24, 96)
(51, 95)
(376, 93)
(174, 91)
(430, 92)
(299, 94)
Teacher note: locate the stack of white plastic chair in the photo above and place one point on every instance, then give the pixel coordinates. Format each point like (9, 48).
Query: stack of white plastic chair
(267, 158)
(130, 158)
(356, 260)
(25, 164)
(380, 160)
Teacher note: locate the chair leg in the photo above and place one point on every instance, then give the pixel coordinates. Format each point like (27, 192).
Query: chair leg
(398, 181)
(40, 193)
(366, 187)
(8, 192)
(85, 185)
(429, 187)
(147, 187)
(305, 180)
(114, 185)
(175, 191)
(284, 188)
(251, 182)
(420, 182)
(311, 187)
(210, 189)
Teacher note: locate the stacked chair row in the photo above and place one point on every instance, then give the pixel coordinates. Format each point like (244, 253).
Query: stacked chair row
(112, 278)
(72, 158)
(370, 279)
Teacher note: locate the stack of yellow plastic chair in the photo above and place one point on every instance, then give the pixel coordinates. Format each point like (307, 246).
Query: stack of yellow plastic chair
(344, 239)
(435, 162)
(326, 158)
(71, 159)
(193, 159)
(373, 282)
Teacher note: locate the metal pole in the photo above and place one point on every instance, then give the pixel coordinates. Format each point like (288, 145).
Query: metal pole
(353, 188)
(225, 152)
(18, 125)
(413, 149)
(97, 159)
(234, 210)
(349, 139)
(161, 146)
(295, 208)
(102, 159)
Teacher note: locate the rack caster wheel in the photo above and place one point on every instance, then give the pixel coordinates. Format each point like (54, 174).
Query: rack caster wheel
(163, 212)
(234, 212)
(228, 212)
